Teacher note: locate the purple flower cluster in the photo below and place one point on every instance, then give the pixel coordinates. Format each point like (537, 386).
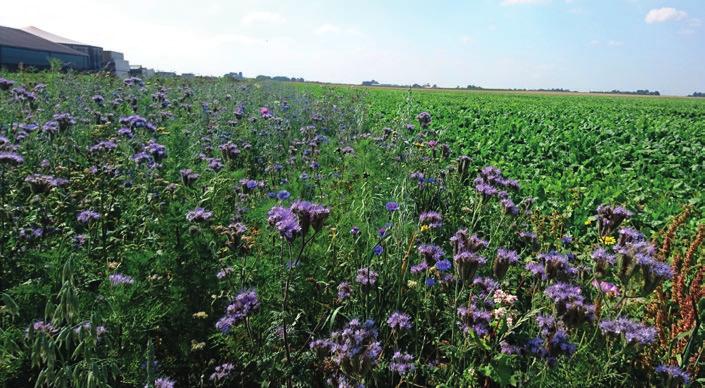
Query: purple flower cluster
(466, 255)
(635, 252)
(87, 216)
(502, 261)
(310, 215)
(230, 151)
(11, 158)
(491, 183)
(606, 287)
(633, 331)
(474, 319)
(354, 349)
(44, 327)
(399, 321)
(244, 304)
(486, 285)
(222, 372)
(64, 121)
(431, 252)
(41, 184)
(673, 373)
(199, 214)
(424, 119)
(156, 150)
(366, 277)
(552, 342)
(552, 265)
(570, 303)
(135, 121)
(188, 176)
(432, 219)
(163, 382)
(610, 217)
(6, 84)
(118, 279)
(285, 221)
(402, 363)
(102, 147)
(603, 259)
(344, 291)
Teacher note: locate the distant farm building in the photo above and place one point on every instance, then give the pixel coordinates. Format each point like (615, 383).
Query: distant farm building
(95, 53)
(234, 75)
(115, 63)
(19, 48)
(34, 47)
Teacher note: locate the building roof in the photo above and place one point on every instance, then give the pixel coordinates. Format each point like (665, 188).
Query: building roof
(22, 39)
(52, 37)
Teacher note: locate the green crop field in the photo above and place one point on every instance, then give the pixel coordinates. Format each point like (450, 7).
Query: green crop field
(200, 232)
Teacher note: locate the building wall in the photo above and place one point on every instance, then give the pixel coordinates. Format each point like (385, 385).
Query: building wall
(95, 55)
(12, 56)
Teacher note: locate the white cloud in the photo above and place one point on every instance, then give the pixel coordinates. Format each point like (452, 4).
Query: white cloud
(262, 17)
(332, 29)
(665, 14)
(517, 2)
(615, 43)
(467, 39)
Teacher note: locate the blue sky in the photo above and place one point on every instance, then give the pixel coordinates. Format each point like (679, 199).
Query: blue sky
(575, 44)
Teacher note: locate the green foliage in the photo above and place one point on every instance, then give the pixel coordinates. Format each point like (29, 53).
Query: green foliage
(66, 322)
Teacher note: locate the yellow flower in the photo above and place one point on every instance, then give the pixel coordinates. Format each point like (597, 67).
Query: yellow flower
(608, 240)
(588, 221)
(200, 315)
(425, 228)
(412, 284)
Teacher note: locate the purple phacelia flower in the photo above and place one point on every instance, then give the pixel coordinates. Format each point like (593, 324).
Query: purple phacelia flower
(366, 277)
(199, 214)
(188, 176)
(610, 217)
(163, 382)
(222, 372)
(431, 252)
(118, 279)
(503, 259)
(244, 304)
(344, 291)
(310, 215)
(11, 158)
(285, 221)
(673, 373)
(633, 331)
(424, 119)
(402, 363)
(399, 321)
(102, 146)
(431, 218)
(87, 216)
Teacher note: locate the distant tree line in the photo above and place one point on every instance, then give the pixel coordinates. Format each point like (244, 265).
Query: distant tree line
(697, 94)
(278, 78)
(640, 92)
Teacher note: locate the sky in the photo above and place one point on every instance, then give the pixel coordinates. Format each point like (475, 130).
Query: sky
(574, 44)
